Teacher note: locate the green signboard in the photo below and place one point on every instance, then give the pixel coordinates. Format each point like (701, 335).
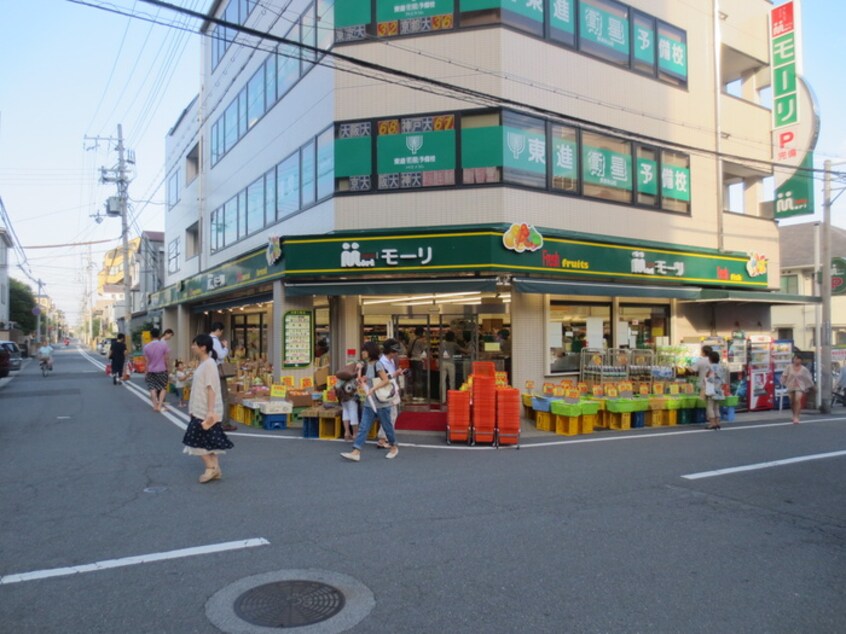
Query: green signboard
(390, 10)
(644, 44)
(561, 15)
(795, 197)
(352, 13)
(672, 56)
(415, 152)
(675, 182)
(565, 154)
(647, 176)
(353, 157)
(604, 28)
(524, 150)
(838, 276)
(484, 249)
(606, 167)
(481, 147)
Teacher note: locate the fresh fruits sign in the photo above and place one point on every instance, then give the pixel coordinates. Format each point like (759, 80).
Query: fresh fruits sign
(521, 237)
(756, 265)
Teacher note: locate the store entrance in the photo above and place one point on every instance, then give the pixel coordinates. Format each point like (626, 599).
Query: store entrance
(439, 352)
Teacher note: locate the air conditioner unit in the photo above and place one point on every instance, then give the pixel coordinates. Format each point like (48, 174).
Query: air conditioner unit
(113, 206)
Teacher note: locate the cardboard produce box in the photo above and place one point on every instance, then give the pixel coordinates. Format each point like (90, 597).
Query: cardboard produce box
(321, 376)
(300, 398)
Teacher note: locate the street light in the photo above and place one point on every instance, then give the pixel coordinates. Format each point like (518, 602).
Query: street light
(825, 338)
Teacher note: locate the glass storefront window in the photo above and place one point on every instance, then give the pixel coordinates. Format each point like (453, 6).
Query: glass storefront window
(481, 148)
(570, 328)
(672, 54)
(565, 159)
(644, 323)
(353, 156)
(604, 30)
(524, 151)
(414, 152)
(647, 176)
(643, 43)
(248, 336)
(606, 167)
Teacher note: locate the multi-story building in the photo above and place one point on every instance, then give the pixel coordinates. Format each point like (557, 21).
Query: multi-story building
(555, 168)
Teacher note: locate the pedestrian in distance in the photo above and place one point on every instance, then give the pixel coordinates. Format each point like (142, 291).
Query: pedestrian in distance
(117, 355)
(714, 391)
(221, 349)
(346, 391)
(374, 377)
(798, 380)
(181, 376)
(204, 436)
(156, 354)
(700, 367)
(390, 351)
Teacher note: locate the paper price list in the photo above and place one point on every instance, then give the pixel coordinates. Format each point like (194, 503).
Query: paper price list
(297, 338)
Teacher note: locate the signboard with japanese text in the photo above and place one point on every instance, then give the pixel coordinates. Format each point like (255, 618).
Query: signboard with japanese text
(524, 150)
(644, 43)
(601, 27)
(795, 119)
(562, 15)
(565, 159)
(403, 17)
(607, 168)
(416, 151)
(297, 335)
(675, 182)
(672, 54)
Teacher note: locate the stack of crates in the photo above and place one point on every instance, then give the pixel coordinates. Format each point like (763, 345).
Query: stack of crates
(458, 416)
(309, 417)
(508, 405)
(567, 417)
(274, 421)
(590, 412)
(655, 416)
(484, 408)
(727, 409)
(528, 412)
(543, 417)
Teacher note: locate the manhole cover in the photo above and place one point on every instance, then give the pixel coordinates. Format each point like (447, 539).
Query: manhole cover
(289, 603)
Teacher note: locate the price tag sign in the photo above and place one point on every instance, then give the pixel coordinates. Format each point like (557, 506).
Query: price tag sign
(287, 381)
(674, 389)
(572, 396)
(625, 388)
(547, 389)
(530, 386)
(558, 391)
(583, 388)
(643, 390)
(597, 391)
(659, 388)
(278, 391)
(331, 381)
(687, 388)
(611, 392)
(306, 382)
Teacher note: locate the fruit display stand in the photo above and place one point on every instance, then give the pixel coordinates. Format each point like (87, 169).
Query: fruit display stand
(567, 417)
(598, 367)
(590, 412)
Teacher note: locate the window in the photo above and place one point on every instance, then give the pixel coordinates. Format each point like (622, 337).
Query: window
(481, 148)
(672, 54)
(270, 197)
(641, 325)
(416, 152)
(307, 173)
(173, 190)
(572, 327)
(604, 30)
(647, 176)
(255, 97)
(242, 214)
(230, 126)
(562, 21)
(325, 164)
(606, 167)
(270, 82)
(643, 43)
(216, 230)
(288, 186)
(255, 206)
(524, 154)
(789, 285)
(192, 164)
(353, 156)
(242, 113)
(675, 181)
(173, 256)
(308, 35)
(192, 241)
(287, 64)
(785, 334)
(325, 24)
(565, 159)
(217, 141)
(230, 222)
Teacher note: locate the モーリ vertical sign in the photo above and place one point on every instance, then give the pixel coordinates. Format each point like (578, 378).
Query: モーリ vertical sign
(795, 122)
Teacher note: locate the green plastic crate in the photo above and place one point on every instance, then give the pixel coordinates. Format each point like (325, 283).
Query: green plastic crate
(674, 403)
(731, 401)
(640, 404)
(621, 406)
(561, 408)
(589, 407)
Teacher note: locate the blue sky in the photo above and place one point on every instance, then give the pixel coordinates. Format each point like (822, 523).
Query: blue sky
(68, 70)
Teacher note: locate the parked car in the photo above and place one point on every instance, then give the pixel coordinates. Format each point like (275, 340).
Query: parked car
(5, 363)
(14, 354)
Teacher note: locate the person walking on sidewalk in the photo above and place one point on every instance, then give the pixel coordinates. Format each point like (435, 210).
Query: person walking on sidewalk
(798, 380)
(221, 349)
(156, 354)
(374, 377)
(713, 390)
(117, 355)
(390, 351)
(204, 436)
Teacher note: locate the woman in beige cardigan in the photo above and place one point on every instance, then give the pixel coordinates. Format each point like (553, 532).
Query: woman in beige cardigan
(798, 380)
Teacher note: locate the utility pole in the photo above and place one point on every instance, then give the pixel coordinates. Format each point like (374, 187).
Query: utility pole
(38, 311)
(118, 206)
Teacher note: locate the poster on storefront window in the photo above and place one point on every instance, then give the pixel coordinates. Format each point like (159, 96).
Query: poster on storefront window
(604, 28)
(565, 162)
(644, 43)
(647, 176)
(675, 182)
(561, 15)
(297, 343)
(672, 52)
(415, 152)
(524, 150)
(607, 168)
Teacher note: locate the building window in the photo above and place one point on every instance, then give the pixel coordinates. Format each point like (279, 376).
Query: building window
(414, 152)
(173, 256)
(325, 164)
(481, 148)
(648, 176)
(562, 21)
(565, 159)
(524, 151)
(192, 164)
(288, 186)
(307, 173)
(236, 12)
(230, 221)
(640, 326)
(790, 284)
(643, 43)
(325, 24)
(308, 36)
(287, 63)
(672, 54)
(255, 206)
(675, 181)
(785, 334)
(604, 30)
(255, 97)
(270, 197)
(353, 156)
(192, 241)
(230, 126)
(173, 190)
(606, 167)
(572, 327)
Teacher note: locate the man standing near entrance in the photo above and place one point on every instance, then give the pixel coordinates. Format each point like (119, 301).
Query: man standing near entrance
(221, 348)
(417, 353)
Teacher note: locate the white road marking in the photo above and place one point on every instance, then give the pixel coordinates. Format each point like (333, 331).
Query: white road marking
(62, 417)
(762, 465)
(131, 561)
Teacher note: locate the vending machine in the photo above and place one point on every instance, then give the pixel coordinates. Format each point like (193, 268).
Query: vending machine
(782, 356)
(761, 385)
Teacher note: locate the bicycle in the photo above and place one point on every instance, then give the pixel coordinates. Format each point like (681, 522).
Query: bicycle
(45, 367)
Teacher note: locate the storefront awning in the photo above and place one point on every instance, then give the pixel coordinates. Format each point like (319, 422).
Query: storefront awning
(718, 295)
(390, 287)
(561, 287)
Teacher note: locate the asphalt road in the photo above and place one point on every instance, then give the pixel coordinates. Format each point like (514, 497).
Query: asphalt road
(603, 534)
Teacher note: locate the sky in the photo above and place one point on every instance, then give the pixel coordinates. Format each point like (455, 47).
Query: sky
(68, 71)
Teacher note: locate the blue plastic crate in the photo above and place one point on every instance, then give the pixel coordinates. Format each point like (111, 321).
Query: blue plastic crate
(311, 426)
(274, 421)
(638, 419)
(699, 415)
(727, 414)
(541, 403)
